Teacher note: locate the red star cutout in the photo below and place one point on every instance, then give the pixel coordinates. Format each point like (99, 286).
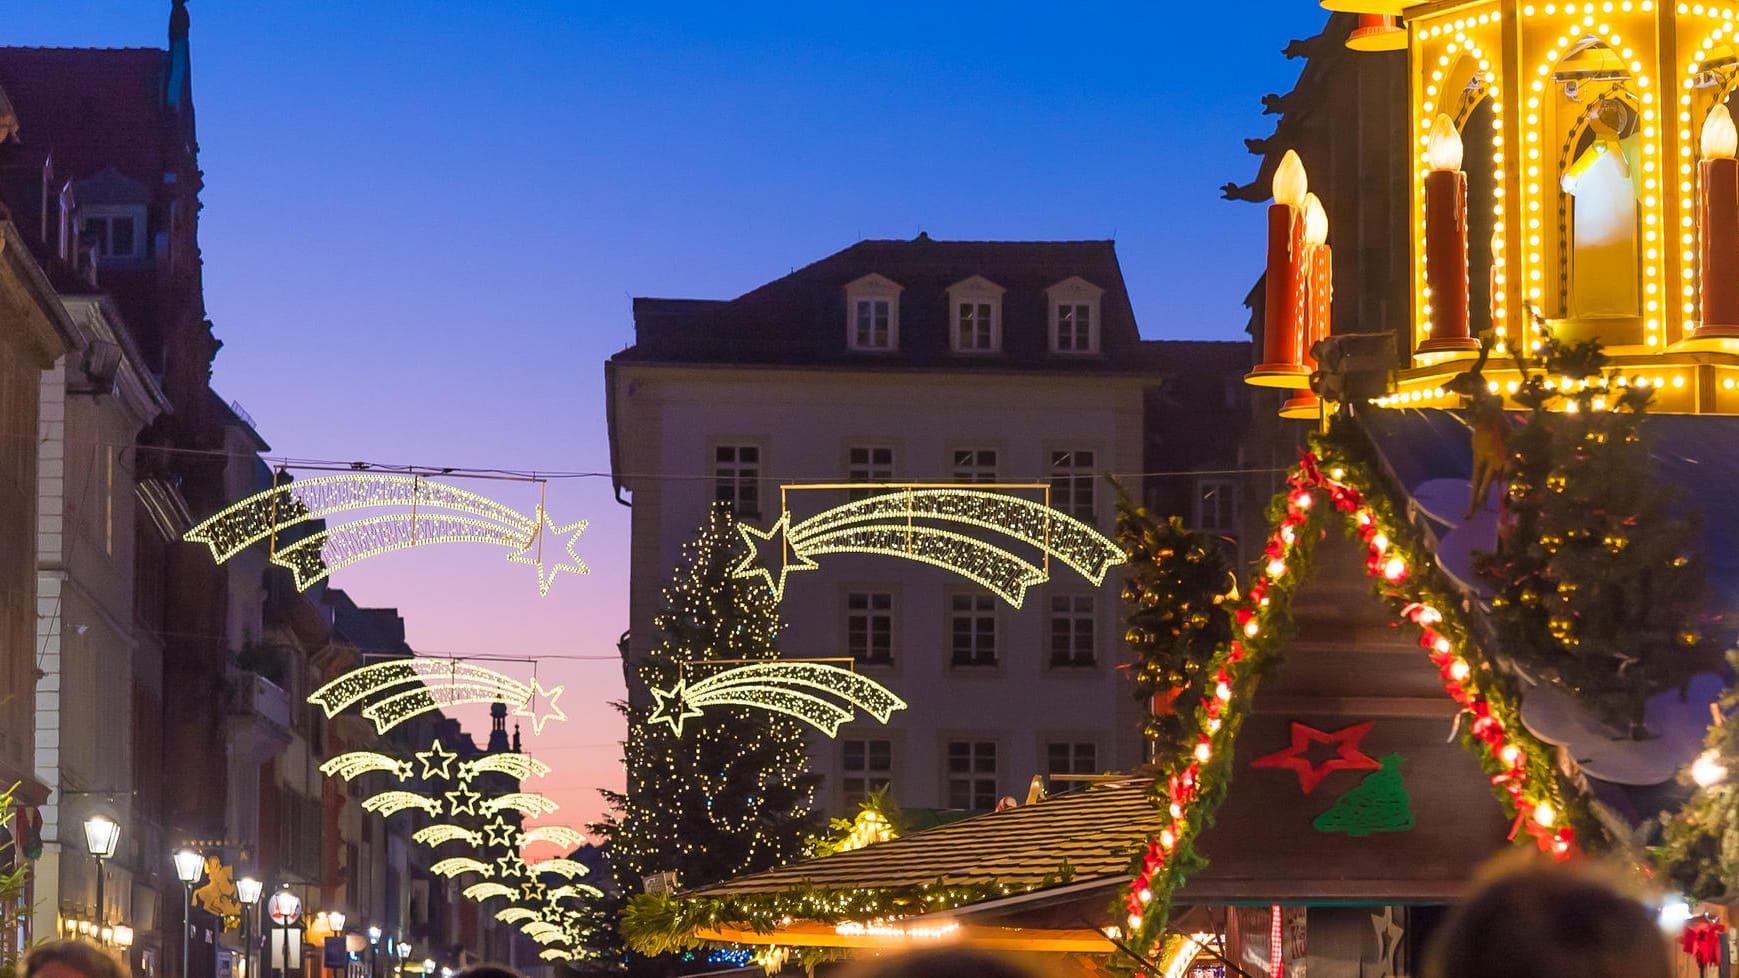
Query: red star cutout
(1165, 701)
(1310, 775)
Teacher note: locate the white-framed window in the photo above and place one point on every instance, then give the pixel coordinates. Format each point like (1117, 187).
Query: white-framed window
(972, 630)
(972, 774)
(737, 478)
(869, 463)
(975, 465)
(1071, 757)
(872, 314)
(869, 626)
(1072, 631)
(1072, 481)
(113, 232)
(1075, 313)
(1217, 506)
(975, 316)
(864, 766)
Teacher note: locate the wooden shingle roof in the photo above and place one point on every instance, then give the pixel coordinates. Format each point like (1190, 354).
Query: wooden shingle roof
(1095, 832)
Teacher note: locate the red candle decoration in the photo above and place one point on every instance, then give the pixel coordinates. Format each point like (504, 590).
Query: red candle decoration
(1718, 226)
(1284, 311)
(1318, 303)
(1446, 242)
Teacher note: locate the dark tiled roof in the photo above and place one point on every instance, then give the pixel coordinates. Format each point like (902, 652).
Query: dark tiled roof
(90, 107)
(799, 319)
(1097, 831)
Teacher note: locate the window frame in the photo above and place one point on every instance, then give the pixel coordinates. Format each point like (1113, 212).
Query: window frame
(983, 607)
(872, 288)
(1078, 477)
(1076, 615)
(870, 614)
(976, 292)
(737, 477)
(108, 213)
(865, 774)
(972, 778)
(1075, 292)
(971, 473)
(1072, 745)
(1202, 485)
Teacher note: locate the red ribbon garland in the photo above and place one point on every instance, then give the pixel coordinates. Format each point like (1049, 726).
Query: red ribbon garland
(1701, 939)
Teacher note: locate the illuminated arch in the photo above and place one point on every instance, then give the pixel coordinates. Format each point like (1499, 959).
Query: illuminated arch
(1693, 110)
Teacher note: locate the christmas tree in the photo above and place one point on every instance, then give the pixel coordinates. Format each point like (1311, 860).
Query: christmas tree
(1596, 589)
(1380, 803)
(1175, 582)
(732, 794)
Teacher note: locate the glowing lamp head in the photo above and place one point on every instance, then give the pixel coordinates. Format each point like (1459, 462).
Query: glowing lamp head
(1708, 771)
(101, 836)
(1720, 139)
(1443, 145)
(247, 890)
(1290, 183)
(1315, 221)
(189, 866)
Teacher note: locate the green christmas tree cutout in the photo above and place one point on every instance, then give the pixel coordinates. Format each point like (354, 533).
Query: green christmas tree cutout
(1380, 803)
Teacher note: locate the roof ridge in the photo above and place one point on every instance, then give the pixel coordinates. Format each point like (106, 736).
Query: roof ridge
(71, 47)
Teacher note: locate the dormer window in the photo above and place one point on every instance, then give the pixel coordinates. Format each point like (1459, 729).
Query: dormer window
(1075, 309)
(113, 232)
(976, 321)
(872, 307)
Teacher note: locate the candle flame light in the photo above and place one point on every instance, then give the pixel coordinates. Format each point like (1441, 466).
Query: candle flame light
(1290, 183)
(1720, 138)
(1443, 148)
(1315, 221)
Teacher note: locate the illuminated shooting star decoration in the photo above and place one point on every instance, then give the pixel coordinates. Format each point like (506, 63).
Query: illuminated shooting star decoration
(566, 867)
(423, 512)
(517, 766)
(926, 524)
(411, 687)
(575, 890)
(359, 762)
(478, 892)
(555, 954)
(552, 936)
(454, 865)
(560, 835)
(393, 802)
(787, 687)
(440, 834)
(523, 802)
(513, 915)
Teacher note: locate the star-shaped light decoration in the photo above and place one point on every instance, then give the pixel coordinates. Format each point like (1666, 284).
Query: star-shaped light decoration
(544, 713)
(510, 865)
(501, 832)
(1350, 758)
(463, 801)
(670, 707)
(532, 889)
(437, 761)
(769, 549)
(547, 551)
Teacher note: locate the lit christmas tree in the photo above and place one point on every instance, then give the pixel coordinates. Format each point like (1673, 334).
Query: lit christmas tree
(732, 794)
(1380, 803)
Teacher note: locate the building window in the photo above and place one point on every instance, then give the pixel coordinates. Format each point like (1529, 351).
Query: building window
(975, 328)
(873, 330)
(975, 465)
(1072, 630)
(1075, 328)
(1072, 483)
(865, 766)
(869, 626)
(869, 463)
(1075, 309)
(972, 774)
(112, 235)
(973, 621)
(1071, 758)
(737, 478)
(872, 314)
(1217, 506)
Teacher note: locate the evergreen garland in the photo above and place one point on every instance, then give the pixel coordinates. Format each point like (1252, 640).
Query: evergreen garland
(733, 793)
(1596, 591)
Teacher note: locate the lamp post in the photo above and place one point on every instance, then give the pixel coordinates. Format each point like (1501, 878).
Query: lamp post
(373, 949)
(101, 836)
(247, 890)
(189, 866)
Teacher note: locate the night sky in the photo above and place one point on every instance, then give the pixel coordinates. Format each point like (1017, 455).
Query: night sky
(424, 222)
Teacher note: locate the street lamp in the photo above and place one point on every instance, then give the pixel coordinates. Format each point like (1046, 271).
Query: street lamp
(247, 890)
(189, 865)
(101, 836)
(373, 949)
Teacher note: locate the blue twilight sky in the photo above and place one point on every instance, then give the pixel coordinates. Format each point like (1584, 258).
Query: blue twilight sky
(424, 220)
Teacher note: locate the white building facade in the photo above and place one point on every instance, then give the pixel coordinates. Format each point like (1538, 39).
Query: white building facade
(908, 362)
